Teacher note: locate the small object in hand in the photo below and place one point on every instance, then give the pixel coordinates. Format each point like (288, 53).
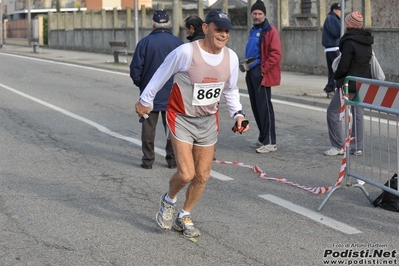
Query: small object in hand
(243, 126)
(246, 64)
(144, 117)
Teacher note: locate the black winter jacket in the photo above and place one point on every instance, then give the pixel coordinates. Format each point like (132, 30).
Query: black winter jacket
(198, 35)
(356, 50)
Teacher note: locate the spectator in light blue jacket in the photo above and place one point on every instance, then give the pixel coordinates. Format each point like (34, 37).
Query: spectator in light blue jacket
(149, 54)
(330, 41)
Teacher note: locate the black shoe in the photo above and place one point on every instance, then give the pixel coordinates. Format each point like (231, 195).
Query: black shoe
(148, 167)
(172, 166)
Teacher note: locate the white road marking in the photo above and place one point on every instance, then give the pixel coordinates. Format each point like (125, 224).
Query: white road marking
(318, 217)
(68, 64)
(220, 176)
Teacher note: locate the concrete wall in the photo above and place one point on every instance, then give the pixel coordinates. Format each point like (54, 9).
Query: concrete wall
(96, 40)
(302, 50)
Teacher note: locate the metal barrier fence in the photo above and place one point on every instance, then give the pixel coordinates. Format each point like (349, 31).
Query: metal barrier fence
(378, 160)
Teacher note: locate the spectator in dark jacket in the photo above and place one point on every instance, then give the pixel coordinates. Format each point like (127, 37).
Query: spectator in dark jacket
(148, 56)
(356, 51)
(193, 26)
(330, 41)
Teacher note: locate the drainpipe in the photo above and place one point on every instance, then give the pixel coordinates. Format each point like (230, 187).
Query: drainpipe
(136, 22)
(29, 24)
(1, 24)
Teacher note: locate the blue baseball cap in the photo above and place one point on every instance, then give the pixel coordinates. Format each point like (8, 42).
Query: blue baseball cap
(220, 19)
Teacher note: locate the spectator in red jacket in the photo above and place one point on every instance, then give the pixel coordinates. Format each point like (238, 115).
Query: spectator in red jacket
(264, 51)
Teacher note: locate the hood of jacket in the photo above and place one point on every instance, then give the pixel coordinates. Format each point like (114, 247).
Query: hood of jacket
(357, 35)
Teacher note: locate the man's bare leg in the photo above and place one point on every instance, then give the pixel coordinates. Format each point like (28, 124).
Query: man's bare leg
(194, 165)
(185, 166)
(203, 159)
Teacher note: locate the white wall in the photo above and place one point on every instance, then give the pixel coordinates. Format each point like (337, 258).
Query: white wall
(110, 4)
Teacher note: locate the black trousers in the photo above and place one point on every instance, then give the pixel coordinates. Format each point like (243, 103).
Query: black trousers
(330, 56)
(262, 107)
(148, 136)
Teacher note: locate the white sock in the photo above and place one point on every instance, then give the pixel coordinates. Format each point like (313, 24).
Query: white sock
(183, 213)
(168, 199)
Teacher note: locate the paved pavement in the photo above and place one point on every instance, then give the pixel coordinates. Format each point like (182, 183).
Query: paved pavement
(296, 87)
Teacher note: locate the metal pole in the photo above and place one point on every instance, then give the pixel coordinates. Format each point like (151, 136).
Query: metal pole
(136, 22)
(29, 25)
(1, 24)
(342, 17)
(175, 20)
(249, 16)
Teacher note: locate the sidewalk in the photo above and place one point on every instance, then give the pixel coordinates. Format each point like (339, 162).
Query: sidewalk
(295, 87)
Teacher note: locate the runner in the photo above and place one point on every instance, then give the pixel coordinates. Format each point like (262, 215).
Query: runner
(203, 71)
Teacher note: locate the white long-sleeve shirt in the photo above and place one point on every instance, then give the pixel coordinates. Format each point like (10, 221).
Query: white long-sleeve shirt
(188, 80)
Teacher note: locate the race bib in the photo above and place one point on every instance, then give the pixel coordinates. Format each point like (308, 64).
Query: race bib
(207, 93)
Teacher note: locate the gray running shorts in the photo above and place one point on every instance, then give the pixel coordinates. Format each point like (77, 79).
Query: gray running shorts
(200, 131)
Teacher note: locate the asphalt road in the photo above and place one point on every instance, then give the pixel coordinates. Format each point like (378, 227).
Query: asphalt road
(72, 191)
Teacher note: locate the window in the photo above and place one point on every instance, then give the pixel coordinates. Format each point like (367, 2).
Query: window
(306, 6)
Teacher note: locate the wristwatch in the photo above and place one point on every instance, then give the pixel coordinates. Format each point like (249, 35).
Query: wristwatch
(239, 112)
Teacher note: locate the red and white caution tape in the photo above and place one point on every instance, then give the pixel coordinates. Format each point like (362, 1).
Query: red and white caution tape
(263, 175)
(314, 190)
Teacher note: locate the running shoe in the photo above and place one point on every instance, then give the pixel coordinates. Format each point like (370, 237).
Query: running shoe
(267, 148)
(164, 216)
(186, 225)
(334, 151)
(356, 152)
